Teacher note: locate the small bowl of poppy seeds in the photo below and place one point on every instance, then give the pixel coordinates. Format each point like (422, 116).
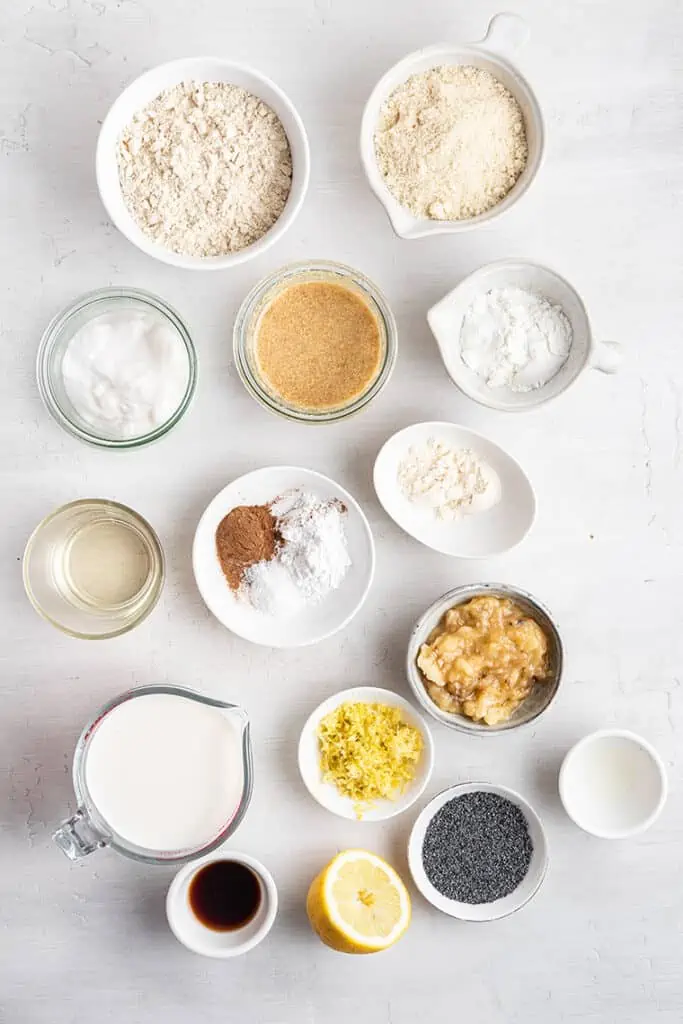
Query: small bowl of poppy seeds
(478, 852)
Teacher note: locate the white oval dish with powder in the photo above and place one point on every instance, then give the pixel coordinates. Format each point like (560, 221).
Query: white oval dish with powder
(490, 530)
(316, 621)
(125, 373)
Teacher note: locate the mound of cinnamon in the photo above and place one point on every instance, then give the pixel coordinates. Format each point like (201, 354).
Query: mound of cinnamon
(248, 534)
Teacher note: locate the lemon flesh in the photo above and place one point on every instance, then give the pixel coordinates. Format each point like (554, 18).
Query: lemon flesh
(358, 904)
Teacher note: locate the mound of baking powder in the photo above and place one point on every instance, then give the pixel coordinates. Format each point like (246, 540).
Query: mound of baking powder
(312, 558)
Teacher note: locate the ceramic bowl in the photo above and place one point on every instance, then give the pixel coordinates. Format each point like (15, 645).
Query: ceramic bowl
(317, 621)
(225, 944)
(506, 32)
(504, 907)
(446, 317)
(146, 88)
(325, 793)
(613, 784)
(481, 535)
(542, 695)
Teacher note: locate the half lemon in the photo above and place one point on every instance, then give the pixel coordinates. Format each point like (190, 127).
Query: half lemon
(358, 903)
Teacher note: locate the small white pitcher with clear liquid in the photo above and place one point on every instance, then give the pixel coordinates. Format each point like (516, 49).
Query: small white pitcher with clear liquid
(161, 774)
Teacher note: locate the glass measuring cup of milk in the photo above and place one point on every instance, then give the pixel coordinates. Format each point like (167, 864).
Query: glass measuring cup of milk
(161, 774)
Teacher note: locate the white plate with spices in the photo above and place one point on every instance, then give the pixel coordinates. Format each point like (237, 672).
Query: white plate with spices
(500, 514)
(326, 794)
(295, 621)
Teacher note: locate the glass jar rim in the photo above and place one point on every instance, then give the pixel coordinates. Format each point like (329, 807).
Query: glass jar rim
(244, 319)
(54, 332)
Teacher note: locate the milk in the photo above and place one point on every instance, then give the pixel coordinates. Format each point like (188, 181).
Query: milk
(612, 784)
(165, 772)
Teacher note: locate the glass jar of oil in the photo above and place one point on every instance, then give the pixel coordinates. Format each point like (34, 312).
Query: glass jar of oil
(94, 568)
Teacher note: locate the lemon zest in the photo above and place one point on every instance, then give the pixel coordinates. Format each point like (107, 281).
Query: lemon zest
(368, 752)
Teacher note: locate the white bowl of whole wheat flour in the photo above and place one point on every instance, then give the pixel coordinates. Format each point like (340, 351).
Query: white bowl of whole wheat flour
(407, 131)
(235, 155)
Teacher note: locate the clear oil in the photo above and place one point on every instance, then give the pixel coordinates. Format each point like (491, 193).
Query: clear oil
(103, 565)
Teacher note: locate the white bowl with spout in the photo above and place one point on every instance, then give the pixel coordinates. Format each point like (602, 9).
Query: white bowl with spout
(586, 351)
(505, 34)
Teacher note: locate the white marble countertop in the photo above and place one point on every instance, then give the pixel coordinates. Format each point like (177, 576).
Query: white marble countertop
(602, 941)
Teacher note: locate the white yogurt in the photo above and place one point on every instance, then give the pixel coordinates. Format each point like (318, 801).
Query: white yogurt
(125, 373)
(165, 772)
(613, 784)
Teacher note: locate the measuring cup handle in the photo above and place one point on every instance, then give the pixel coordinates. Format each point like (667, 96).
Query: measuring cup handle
(506, 33)
(76, 837)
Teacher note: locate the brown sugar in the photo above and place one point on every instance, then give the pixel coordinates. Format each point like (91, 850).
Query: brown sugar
(318, 345)
(248, 534)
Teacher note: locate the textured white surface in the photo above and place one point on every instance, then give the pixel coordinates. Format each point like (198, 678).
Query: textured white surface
(601, 942)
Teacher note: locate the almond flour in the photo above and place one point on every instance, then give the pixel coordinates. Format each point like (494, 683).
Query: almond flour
(451, 142)
(205, 169)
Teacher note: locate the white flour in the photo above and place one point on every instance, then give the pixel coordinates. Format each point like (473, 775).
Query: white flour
(515, 339)
(451, 482)
(312, 560)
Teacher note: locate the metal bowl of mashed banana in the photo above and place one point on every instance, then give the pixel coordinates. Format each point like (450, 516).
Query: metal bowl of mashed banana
(485, 658)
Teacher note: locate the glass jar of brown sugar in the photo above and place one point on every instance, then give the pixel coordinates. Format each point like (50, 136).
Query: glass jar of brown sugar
(315, 342)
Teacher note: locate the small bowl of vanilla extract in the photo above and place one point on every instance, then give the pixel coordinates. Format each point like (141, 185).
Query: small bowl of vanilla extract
(222, 905)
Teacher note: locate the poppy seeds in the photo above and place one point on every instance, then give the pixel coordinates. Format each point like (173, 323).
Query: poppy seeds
(477, 848)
